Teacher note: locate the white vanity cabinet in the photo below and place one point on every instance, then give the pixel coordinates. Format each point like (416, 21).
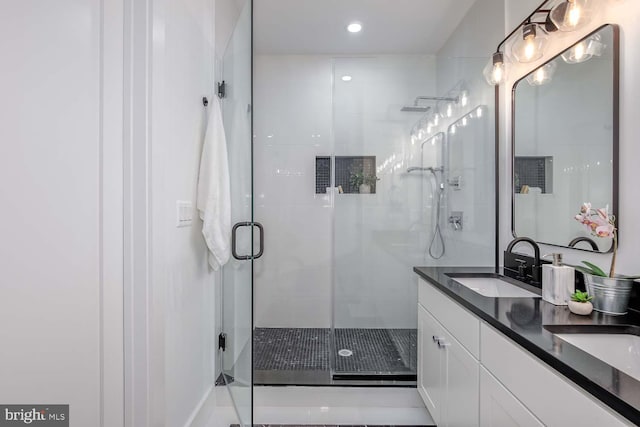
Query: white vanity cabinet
(470, 374)
(500, 408)
(448, 374)
(552, 398)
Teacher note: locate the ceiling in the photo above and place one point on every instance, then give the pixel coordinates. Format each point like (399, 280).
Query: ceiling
(389, 26)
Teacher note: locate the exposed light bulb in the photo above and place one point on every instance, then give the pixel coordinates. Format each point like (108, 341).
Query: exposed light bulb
(498, 72)
(542, 75)
(584, 50)
(449, 110)
(465, 121)
(464, 98)
(347, 78)
(571, 15)
(531, 46)
(453, 129)
(436, 118)
(479, 112)
(495, 72)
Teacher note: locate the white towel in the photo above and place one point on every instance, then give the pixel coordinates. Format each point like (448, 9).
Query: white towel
(214, 192)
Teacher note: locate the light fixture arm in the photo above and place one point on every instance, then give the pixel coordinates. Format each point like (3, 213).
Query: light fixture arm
(527, 20)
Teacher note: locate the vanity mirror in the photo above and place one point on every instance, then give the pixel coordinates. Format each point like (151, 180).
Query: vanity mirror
(565, 142)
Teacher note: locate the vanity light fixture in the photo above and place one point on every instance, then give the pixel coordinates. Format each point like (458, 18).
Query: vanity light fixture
(531, 46)
(571, 15)
(354, 27)
(542, 75)
(566, 15)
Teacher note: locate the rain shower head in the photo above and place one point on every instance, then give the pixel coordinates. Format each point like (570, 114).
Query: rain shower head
(421, 169)
(415, 108)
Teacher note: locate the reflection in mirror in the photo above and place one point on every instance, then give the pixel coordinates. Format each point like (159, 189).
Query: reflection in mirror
(565, 142)
(469, 167)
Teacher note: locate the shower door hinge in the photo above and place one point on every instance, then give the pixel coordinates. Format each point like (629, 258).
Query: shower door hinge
(222, 89)
(222, 341)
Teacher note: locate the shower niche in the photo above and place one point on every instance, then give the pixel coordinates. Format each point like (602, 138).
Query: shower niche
(353, 175)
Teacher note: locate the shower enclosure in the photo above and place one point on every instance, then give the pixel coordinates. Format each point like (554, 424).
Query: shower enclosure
(354, 189)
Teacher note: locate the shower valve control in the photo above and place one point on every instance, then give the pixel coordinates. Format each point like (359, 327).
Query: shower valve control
(456, 182)
(455, 219)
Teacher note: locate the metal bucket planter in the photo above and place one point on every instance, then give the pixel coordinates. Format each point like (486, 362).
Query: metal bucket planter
(610, 295)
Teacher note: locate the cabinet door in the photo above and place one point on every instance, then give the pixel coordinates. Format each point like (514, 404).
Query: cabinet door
(430, 363)
(499, 408)
(461, 406)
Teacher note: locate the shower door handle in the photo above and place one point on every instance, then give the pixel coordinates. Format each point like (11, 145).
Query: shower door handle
(233, 240)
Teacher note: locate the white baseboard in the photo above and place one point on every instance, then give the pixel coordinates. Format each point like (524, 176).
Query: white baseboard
(203, 410)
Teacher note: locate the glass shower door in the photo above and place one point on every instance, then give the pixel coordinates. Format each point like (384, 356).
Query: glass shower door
(237, 274)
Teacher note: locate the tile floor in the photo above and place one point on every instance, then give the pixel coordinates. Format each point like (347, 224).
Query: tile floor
(328, 406)
(301, 356)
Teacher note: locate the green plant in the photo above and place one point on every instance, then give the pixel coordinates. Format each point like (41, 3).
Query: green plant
(359, 178)
(594, 270)
(580, 296)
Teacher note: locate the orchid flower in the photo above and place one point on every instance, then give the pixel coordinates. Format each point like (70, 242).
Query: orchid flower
(600, 224)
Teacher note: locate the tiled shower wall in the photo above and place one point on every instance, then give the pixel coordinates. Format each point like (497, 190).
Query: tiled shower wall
(297, 112)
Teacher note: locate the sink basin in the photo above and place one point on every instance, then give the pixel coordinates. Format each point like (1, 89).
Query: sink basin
(617, 346)
(494, 287)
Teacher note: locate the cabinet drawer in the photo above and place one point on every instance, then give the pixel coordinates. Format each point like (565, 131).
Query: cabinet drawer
(498, 407)
(553, 399)
(463, 325)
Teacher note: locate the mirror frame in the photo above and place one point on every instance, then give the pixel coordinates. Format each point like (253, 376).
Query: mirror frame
(615, 134)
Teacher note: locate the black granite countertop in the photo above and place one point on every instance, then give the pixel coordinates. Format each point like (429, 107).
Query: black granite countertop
(523, 320)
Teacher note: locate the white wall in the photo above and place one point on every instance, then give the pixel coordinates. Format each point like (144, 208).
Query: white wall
(298, 115)
(377, 237)
(627, 15)
(182, 73)
(470, 150)
(61, 249)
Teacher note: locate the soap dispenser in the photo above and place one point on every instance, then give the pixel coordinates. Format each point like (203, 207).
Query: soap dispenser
(558, 281)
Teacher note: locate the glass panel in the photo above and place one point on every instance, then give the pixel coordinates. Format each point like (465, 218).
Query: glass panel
(375, 221)
(470, 189)
(237, 275)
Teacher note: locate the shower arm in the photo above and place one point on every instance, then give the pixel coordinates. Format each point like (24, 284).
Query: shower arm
(436, 98)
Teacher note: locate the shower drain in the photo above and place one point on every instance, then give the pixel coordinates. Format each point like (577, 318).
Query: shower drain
(345, 352)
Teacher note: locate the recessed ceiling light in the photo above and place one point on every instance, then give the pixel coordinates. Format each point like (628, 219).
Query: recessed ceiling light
(354, 27)
(346, 78)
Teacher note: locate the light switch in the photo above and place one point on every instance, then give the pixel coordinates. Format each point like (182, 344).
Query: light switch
(184, 213)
